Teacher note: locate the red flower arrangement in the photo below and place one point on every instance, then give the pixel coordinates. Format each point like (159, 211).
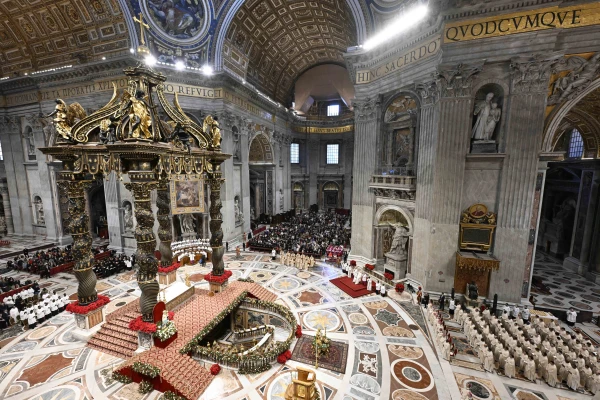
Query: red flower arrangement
(215, 369)
(146, 327)
(370, 267)
(75, 308)
(353, 263)
(284, 357)
(218, 279)
(298, 331)
(170, 268)
(399, 287)
(388, 275)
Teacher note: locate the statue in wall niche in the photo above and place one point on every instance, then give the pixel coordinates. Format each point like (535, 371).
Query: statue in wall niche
(127, 216)
(252, 214)
(237, 210)
(488, 115)
(188, 225)
(39, 211)
(31, 144)
(576, 80)
(399, 240)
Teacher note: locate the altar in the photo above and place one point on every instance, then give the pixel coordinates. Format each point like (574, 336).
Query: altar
(175, 294)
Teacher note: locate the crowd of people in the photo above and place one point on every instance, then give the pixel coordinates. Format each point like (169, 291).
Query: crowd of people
(114, 264)
(31, 307)
(42, 261)
(361, 277)
(299, 261)
(308, 233)
(191, 248)
(521, 342)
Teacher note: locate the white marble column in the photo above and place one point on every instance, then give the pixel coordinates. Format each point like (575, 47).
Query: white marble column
(367, 121)
(527, 103)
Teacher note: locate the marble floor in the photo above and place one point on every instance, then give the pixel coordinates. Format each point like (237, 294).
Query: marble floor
(384, 341)
(562, 289)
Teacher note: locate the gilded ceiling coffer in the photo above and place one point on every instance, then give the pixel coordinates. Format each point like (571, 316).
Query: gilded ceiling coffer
(128, 137)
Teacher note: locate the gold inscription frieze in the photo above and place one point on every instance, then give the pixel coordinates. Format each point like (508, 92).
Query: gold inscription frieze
(316, 129)
(417, 53)
(521, 22)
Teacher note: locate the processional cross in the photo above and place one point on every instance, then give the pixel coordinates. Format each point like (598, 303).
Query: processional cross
(142, 26)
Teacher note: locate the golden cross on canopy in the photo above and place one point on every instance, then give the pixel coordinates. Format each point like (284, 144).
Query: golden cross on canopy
(142, 26)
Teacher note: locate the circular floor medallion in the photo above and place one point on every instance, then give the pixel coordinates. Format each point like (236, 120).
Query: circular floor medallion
(479, 390)
(412, 375)
(553, 302)
(406, 352)
(321, 319)
(565, 295)
(359, 319)
(41, 333)
(580, 305)
(377, 305)
(404, 394)
(591, 297)
(286, 284)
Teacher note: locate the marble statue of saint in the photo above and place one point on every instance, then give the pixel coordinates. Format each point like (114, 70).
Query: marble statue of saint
(492, 120)
(128, 217)
(399, 240)
(31, 144)
(482, 110)
(39, 212)
(239, 216)
(187, 223)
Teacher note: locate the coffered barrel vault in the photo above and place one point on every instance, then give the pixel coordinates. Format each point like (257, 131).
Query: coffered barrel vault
(41, 34)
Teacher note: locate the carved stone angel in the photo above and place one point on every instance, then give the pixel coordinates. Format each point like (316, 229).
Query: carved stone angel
(576, 80)
(65, 117)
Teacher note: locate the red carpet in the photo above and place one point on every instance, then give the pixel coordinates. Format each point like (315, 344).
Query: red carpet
(349, 287)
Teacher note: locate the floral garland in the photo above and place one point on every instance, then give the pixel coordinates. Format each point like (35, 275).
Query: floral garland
(212, 324)
(218, 279)
(388, 275)
(75, 308)
(165, 331)
(145, 369)
(170, 268)
(168, 395)
(145, 387)
(215, 369)
(121, 378)
(147, 327)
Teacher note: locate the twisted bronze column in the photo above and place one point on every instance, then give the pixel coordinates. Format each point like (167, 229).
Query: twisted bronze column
(79, 228)
(216, 220)
(146, 244)
(164, 221)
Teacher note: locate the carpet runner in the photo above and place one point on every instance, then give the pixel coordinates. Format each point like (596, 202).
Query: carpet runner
(115, 337)
(352, 290)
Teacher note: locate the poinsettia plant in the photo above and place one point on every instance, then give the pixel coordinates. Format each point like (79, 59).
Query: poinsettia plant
(298, 331)
(75, 308)
(218, 279)
(170, 268)
(215, 369)
(388, 275)
(147, 327)
(399, 287)
(370, 267)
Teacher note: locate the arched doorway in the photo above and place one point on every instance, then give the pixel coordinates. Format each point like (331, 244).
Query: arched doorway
(97, 210)
(260, 162)
(298, 196)
(569, 222)
(331, 195)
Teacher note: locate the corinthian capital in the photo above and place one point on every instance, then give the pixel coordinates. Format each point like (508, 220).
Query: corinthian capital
(366, 109)
(531, 74)
(428, 92)
(457, 80)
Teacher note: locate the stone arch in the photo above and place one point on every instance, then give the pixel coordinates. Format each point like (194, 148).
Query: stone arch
(587, 126)
(353, 5)
(405, 213)
(557, 115)
(401, 93)
(261, 150)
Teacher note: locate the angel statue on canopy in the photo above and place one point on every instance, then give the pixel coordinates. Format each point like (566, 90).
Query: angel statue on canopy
(65, 117)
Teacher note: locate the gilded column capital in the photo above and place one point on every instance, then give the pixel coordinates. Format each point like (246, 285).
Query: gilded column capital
(531, 74)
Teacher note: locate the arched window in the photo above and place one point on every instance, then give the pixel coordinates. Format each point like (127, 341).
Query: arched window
(575, 145)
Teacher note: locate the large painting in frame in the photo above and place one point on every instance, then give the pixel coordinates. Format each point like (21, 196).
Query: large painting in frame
(187, 194)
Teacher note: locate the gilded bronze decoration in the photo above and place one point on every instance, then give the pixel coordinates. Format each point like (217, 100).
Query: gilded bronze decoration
(128, 137)
(79, 228)
(477, 226)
